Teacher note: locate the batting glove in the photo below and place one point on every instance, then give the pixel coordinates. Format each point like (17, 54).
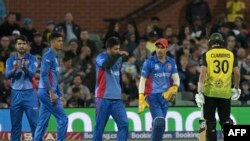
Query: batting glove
(199, 99)
(235, 94)
(170, 94)
(142, 103)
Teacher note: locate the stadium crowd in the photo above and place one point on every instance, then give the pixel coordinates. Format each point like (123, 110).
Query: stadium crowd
(77, 59)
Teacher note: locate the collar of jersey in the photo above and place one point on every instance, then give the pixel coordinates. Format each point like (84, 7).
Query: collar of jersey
(156, 59)
(26, 56)
(53, 51)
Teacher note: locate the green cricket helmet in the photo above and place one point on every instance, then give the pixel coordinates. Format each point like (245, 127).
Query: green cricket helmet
(216, 38)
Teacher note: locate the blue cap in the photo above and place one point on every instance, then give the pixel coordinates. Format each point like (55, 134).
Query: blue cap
(27, 21)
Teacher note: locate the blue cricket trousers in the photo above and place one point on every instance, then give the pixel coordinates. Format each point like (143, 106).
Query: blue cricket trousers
(158, 106)
(23, 101)
(46, 109)
(115, 108)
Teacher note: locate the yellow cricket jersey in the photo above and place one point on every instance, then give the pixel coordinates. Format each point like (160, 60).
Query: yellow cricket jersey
(150, 46)
(237, 6)
(220, 63)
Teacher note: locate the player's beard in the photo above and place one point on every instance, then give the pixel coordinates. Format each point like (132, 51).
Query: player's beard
(22, 51)
(160, 55)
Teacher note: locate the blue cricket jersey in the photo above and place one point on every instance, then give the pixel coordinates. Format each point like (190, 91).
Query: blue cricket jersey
(21, 80)
(49, 76)
(158, 74)
(108, 80)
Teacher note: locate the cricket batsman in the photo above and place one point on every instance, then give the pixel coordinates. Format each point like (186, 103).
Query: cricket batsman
(20, 68)
(48, 92)
(155, 87)
(214, 86)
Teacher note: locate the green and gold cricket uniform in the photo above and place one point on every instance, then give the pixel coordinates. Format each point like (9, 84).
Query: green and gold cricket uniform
(220, 63)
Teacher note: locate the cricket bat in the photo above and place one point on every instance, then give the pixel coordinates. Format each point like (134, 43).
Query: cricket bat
(202, 132)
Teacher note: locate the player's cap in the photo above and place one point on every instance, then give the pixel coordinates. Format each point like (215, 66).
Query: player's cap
(163, 42)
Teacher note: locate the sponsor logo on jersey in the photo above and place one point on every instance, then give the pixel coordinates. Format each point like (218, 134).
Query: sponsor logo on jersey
(157, 67)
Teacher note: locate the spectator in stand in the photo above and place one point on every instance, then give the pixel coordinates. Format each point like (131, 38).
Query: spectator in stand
(132, 30)
(148, 29)
(197, 29)
(37, 46)
(220, 20)
(173, 46)
(130, 67)
(241, 31)
(198, 8)
(129, 44)
(48, 30)
(84, 91)
(192, 77)
(9, 25)
(248, 44)
(113, 30)
(12, 38)
(141, 53)
(185, 33)
(245, 94)
(155, 23)
(71, 30)
(85, 41)
(245, 70)
(150, 45)
(195, 56)
(28, 29)
(134, 99)
(232, 44)
(83, 61)
(2, 11)
(168, 32)
(66, 73)
(185, 49)
(5, 48)
(129, 88)
(75, 100)
(235, 8)
(182, 71)
(203, 43)
(90, 78)
(241, 55)
(73, 49)
(225, 30)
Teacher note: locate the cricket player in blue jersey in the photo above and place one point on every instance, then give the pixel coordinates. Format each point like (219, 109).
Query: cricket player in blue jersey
(20, 68)
(108, 91)
(48, 91)
(156, 87)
